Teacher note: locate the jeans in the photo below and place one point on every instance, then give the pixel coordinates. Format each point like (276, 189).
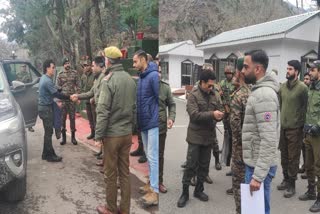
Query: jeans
(150, 139)
(266, 182)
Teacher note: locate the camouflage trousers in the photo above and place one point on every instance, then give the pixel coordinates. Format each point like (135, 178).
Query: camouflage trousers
(312, 164)
(238, 175)
(68, 108)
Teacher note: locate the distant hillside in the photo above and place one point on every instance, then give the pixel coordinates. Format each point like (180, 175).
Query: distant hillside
(199, 20)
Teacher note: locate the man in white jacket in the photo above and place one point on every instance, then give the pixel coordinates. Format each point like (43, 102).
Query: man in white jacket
(261, 128)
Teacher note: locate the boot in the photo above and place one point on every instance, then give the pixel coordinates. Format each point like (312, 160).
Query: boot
(217, 162)
(291, 190)
(58, 133)
(316, 206)
(64, 137)
(73, 138)
(284, 185)
(91, 136)
(310, 194)
(139, 151)
(198, 192)
(184, 197)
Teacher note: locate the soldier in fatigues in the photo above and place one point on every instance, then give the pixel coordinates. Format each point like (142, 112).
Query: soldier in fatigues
(87, 80)
(237, 112)
(204, 111)
(69, 82)
(23, 75)
(312, 139)
(227, 89)
(115, 118)
(165, 101)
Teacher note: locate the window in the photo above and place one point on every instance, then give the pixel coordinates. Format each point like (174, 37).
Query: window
(164, 71)
(186, 72)
(305, 59)
(19, 72)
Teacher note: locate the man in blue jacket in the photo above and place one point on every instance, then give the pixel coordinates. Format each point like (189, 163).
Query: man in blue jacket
(148, 116)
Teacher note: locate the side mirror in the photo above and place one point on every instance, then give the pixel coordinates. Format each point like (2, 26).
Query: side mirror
(17, 86)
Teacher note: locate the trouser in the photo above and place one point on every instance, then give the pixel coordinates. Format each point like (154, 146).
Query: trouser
(198, 161)
(215, 145)
(227, 139)
(68, 108)
(150, 139)
(91, 114)
(46, 115)
(312, 164)
(238, 175)
(116, 161)
(162, 141)
(290, 147)
(266, 184)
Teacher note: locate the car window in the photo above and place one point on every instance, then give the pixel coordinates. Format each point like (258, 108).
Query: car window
(1, 82)
(20, 72)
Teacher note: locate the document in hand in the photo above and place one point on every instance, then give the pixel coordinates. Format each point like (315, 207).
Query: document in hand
(252, 204)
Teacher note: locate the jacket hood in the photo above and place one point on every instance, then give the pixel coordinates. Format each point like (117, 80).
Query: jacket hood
(152, 67)
(267, 81)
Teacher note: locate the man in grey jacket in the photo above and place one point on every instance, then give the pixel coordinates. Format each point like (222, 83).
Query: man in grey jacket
(261, 127)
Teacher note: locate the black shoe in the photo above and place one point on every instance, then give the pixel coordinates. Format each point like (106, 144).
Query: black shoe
(284, 185)
(198, 192)
(143, 159)
(184, 165)
(73, 138)
(184, 197)
(291, 190)
(31, 129)
(208, 180)
(304, 176)
(64, 137)
(229, 173)
(218, 166)
(309, 195)
(229, 191)
(91, 136)
(301, 170)
(315, 207)
(54, 158)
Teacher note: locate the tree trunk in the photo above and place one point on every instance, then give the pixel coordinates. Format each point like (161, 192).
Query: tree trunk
(99, 21)
(87, 38)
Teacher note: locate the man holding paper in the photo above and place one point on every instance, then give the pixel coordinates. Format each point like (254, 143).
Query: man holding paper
(261, 127)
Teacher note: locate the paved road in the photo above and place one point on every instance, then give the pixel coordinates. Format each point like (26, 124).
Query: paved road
(219, 202)
(72, 186)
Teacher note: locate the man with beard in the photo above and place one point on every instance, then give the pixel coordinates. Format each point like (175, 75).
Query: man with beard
(293, 96)
(312, 138)
(261, 126)
(69, 82)
(237, 111)
(204, 112)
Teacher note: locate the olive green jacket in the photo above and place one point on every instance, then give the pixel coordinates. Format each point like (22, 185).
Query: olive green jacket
(313, 109)
(165, 101)
(117, 104)
(200, 107)
(95, 90)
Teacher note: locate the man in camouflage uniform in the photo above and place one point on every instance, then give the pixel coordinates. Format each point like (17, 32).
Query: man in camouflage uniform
(227, 89)
(69, 82)
(165, 101)
(23, 75)
(87, 80)
(237, 112)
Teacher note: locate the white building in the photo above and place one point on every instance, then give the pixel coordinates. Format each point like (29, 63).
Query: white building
(178, 61)
(294, 37)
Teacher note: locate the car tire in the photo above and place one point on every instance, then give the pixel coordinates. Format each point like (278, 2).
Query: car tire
(16, 190)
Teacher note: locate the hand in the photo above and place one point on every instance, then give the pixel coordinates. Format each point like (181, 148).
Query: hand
(218, 115)
(169, 124)
(254, 185)
(74, 97)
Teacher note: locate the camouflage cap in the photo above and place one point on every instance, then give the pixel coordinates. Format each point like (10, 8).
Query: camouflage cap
(65, 60)
(314, 64)
(112, 52)
(207, 66)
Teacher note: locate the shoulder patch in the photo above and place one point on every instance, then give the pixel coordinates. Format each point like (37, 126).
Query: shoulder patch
(108, 76)
(267, 116)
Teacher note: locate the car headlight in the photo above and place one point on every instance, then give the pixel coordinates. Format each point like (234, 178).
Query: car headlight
(14, 161)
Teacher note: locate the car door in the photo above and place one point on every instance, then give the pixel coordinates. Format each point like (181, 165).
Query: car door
(27, 97)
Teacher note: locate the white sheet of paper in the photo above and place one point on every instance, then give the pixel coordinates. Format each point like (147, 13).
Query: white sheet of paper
(252, 204)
